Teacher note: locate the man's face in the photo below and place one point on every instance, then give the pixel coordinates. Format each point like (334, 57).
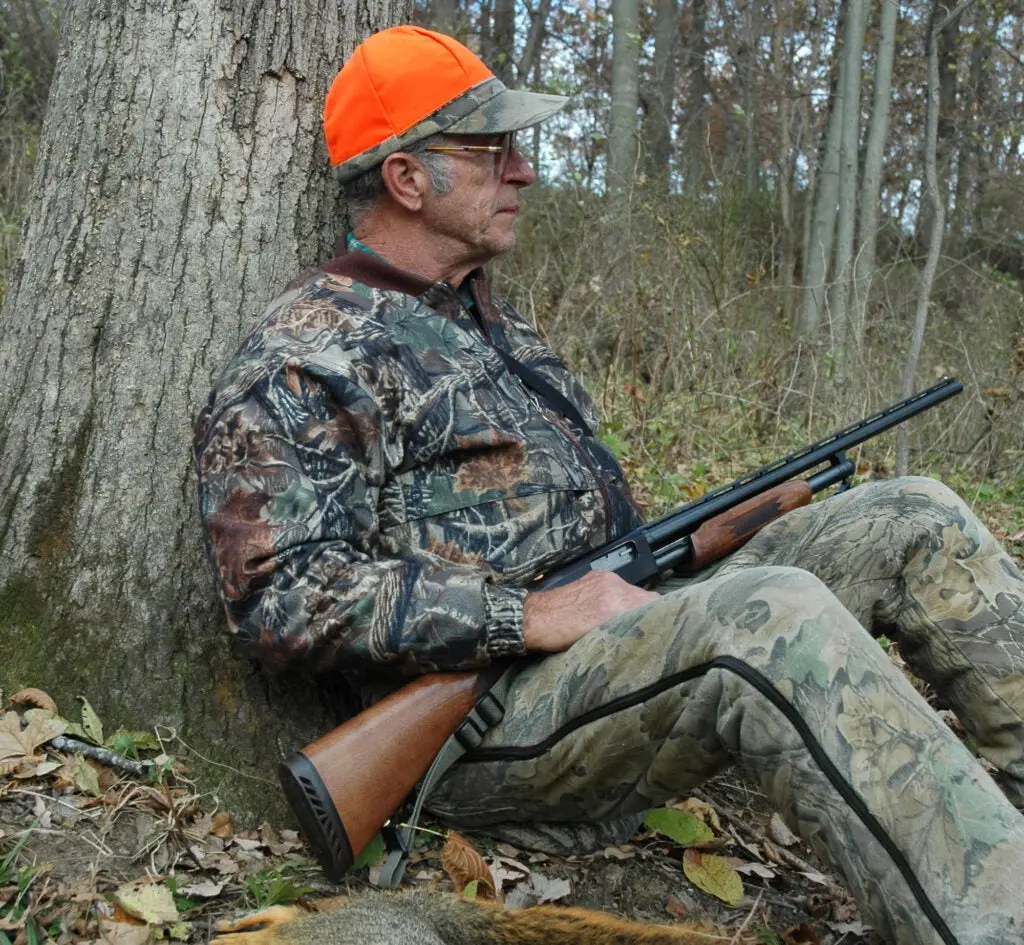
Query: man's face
(477, 218)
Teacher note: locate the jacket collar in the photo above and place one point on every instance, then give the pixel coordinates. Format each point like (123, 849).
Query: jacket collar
(375, 272)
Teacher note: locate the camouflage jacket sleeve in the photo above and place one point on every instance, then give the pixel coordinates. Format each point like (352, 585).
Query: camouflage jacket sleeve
(289, 495)
(376, 490)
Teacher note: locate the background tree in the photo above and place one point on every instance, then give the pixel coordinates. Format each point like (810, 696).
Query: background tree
(181, 182)
(622, 144)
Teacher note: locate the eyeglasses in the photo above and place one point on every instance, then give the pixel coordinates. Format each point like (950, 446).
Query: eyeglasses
(502, 152)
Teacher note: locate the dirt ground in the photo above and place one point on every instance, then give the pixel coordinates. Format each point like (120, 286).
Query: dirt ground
(88, 855)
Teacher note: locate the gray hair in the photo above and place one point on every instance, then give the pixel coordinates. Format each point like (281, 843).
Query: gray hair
(362, 193)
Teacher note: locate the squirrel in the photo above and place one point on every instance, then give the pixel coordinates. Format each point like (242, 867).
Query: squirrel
(419, 917)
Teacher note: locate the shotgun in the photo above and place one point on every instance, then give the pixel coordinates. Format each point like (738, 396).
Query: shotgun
(344, 786)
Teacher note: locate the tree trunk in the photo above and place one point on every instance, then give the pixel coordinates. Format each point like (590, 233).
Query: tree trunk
(871, 186)
(503, 41)
(934, 196)
(946, 52)
(659, 124)
(784, 161)
(849, 152)
(693, 177)
(534, 41)
(823, 225)
(181, 181)
(445, 16)
(622, 149)
(749, 79)
(973, 133)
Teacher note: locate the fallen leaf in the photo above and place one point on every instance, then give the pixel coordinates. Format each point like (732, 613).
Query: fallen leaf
(85, 777)
(153, 903)
(801, 934)
(677, 825)
(538, 889)
(714, 875)
(781, 833)
(849, 928)
(19, 746)
(243, 843)
(463, 863)
(222, 825)
(35, 697)
(755, 869)
(204, 890)
(373, 852)
(701, 810)
(505, 869)
(625, 852)
(222, 863)
(506, 849)
(677, 909)
(815, 877)
(273, 841)
(91, 724)
(47, 767)
(121, 933)
(179, 931)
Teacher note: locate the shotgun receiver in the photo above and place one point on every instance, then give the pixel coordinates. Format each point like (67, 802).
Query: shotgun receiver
(347, 784)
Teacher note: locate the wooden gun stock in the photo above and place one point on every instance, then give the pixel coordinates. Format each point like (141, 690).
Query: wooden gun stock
(347, 783)
(734, 528)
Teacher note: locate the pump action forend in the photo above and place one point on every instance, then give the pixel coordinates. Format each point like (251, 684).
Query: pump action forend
(668, 542)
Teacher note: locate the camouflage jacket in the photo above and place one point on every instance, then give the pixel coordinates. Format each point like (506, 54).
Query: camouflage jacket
(377, 487)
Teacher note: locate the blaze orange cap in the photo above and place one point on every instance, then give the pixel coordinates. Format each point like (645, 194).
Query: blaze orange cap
(407, 83)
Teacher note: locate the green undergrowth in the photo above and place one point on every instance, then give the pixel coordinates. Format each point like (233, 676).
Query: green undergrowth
(684, 449)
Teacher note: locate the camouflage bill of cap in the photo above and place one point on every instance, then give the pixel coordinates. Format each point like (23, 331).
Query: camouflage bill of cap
(487, 108)
(512, 110)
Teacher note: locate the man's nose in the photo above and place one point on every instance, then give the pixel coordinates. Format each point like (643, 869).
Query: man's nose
(518, 170)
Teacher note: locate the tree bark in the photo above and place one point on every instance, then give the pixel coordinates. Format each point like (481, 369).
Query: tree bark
(503, 41)
(622, 150)
(934, 194)
(871, 185)
(749, 79)
(693, 177)
(973, 133)
(846, 221)
(659, 123)
(181, 182)
(784, 161)
(946, 51)
(445, 16)
(534, 40)
(823, 225)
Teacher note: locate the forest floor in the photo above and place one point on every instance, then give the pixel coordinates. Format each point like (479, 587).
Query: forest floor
(91, 854)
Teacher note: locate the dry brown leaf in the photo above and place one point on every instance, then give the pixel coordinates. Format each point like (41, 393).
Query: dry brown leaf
(780, 832)
(463, 864)
(222, 825)
(801, 934)
(19, 746)
(701, 810)
(677, 909)
(34, 697)
(121, 933)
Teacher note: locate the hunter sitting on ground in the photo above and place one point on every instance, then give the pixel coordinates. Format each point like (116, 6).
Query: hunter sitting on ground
(380, 482)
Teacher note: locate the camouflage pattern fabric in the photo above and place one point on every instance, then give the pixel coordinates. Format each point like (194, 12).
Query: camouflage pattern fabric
(376, 485)
(766, 661)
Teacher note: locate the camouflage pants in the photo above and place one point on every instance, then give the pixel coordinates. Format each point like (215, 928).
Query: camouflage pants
(765, 661)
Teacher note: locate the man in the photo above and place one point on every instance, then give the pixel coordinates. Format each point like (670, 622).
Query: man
(393, 453)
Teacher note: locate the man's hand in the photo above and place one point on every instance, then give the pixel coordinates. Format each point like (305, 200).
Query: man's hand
(554, 620)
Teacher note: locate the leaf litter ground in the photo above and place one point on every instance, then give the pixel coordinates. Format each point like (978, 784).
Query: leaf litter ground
(100, 846)
(91, 854)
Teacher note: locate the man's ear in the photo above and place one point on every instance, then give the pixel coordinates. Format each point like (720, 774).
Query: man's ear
(406, 180)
